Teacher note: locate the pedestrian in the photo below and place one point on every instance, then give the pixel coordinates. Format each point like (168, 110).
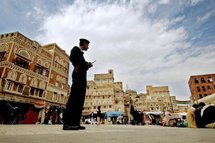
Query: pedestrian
(191, 116)
(76, 99)
(198, 118)
(98, 115)
(166, 119)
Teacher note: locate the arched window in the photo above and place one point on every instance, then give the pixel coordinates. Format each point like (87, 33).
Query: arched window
(34, 82)
(42, 85)
(23, 78)
(12, 75)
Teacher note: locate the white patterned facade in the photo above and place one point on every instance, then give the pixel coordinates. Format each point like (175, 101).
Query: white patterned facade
(104, 92)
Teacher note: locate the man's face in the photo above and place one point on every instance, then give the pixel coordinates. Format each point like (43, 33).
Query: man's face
(85, 46)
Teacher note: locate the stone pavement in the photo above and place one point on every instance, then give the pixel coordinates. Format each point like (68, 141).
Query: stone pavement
(104, 134)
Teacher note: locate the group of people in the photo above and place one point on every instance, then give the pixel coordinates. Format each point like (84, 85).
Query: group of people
(201, 116)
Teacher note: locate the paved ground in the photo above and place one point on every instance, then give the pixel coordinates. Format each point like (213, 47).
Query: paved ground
(104, 134)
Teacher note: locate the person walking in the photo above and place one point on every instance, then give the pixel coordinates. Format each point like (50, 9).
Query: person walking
(98, 115)
(166, 119)
(76, 99)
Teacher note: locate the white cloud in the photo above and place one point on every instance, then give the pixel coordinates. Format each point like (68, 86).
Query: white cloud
(177, 19)
(140, 51)
(152, 8)
(195, 2)
(163, 1)
(206, 16)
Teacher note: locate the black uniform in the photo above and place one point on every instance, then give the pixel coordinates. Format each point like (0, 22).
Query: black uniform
(75, 102)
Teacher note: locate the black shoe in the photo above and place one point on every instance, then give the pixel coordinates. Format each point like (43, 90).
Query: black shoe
(67, 127)
(81, 128)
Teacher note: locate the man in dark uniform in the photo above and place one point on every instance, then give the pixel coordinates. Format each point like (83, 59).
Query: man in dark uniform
(75, 102)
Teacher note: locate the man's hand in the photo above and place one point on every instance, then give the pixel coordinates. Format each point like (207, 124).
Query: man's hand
(89, 64)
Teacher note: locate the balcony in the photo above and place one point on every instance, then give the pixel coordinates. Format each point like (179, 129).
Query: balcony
(22, 70)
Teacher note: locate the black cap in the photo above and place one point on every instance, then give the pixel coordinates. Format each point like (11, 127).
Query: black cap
(84, 40)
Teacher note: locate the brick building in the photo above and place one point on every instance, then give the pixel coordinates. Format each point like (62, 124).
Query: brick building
(201, 86)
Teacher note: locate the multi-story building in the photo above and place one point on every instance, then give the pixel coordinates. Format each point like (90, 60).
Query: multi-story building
(158, 99)
(104, 92)
(57, 87)
(32, 73)
(137, 100)
(180, 106)
(201, 86)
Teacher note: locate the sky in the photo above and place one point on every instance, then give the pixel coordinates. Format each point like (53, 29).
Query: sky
(145, 42)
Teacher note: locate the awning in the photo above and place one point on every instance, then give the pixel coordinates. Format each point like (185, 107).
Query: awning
(113, 114)
(154, 113)
(39, 104)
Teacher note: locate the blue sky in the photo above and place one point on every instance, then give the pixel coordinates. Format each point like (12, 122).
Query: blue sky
(145, 42)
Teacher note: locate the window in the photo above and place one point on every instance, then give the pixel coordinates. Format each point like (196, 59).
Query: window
(210, 79)
(2, 54)
(55, 96)
(200, 95)
(198, 89)
(202, 80)
(32, 91)
(38, 69)
(61, 98)
(196, 80)
(45, 72)
(20, 88)
(41, 70)
(41, 93)
(21, 62)
(9, 85)
(203, 88)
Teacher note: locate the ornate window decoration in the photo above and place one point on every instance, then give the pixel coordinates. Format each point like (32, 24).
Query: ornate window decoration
(34, 82)
(42, 70)
(12, 75)
(4, 47)
(61, 62)
(24, 54)
(35, 45)
(157, 107)
(19, 61)
(23, 58)
(43, 62)
(42, 67)
(61, 80)
(42, 85)
(23, 79)
(151, 107)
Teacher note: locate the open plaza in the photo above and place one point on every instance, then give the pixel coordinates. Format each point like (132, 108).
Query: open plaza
(104, 134)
